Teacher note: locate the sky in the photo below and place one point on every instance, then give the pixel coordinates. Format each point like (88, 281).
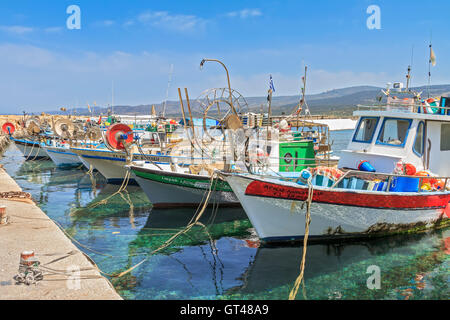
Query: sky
(131, 46)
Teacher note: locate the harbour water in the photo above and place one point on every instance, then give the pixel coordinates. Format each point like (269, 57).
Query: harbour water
(222, 259)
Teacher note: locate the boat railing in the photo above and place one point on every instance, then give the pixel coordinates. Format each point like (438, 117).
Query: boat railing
(371, 176)
(404, 107)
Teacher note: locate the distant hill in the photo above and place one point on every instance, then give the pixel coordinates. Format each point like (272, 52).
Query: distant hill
(337, 102)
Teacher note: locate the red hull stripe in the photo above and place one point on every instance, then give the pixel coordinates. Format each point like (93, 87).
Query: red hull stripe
(270, 190)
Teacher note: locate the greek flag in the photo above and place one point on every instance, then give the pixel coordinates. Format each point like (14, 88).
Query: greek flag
(271, 86)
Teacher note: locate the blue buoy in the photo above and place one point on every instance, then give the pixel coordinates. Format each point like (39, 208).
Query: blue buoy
(366, 166)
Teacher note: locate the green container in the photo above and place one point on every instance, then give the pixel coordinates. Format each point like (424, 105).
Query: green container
(296, 156)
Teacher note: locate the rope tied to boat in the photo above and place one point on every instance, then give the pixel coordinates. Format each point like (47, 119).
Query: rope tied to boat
(194, 222)
(122, 188)
(300, 279)
(29, 154)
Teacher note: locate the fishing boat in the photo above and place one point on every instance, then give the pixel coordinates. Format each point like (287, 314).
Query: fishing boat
(393, 178)
(263, 146)
(31, 149)
(185, 183)
(146, 145)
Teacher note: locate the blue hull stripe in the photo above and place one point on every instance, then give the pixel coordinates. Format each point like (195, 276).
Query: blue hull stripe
(68, 153)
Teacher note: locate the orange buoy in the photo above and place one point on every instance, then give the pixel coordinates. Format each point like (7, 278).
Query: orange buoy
(410, 169)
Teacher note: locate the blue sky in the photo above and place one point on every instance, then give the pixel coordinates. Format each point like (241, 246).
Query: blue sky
(45, 66)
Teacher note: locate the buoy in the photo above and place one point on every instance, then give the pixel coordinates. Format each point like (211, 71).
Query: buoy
(8, 128)
(410, 169)
(305, 176)
(439, 185)
(364, 165)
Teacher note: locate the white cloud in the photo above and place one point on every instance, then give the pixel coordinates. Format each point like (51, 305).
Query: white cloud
(245, 13)
(128, 23)
(54, 29)
(107, 23)
(174, 22)
(16, 29)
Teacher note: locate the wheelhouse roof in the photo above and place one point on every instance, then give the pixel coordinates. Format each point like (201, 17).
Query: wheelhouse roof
(402, 114)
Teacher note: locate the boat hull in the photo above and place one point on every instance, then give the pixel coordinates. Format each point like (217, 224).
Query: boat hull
(112, 164)
(168, 189)
(277, 213)
(63, 157)
(31, 150)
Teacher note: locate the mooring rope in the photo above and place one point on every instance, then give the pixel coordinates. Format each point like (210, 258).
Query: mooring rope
(299, 279)
(37, 152)
(123, 186)
(175, 236)
(29, 154)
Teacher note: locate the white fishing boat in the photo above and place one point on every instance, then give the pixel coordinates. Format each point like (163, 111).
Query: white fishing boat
(394, 179)
(31, 150)
(62, 156)
(109, 159)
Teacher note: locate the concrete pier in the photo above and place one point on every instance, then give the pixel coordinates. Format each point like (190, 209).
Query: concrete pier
(29, 228)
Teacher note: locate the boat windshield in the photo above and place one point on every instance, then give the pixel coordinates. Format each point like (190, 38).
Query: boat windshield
(394, 132)
(366, 129)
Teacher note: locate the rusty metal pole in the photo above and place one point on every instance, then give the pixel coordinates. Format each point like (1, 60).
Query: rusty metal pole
(228, 79)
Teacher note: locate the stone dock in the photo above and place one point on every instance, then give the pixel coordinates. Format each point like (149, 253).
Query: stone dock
(29, 228)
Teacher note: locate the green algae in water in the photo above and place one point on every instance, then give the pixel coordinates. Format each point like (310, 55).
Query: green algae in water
(222, 260)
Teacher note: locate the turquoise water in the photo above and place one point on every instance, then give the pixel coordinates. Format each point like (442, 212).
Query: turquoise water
(223, 258)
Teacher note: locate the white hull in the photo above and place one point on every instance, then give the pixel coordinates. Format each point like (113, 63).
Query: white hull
(110, 164)
(165, 195)
(281, 219)
(31, 152)
(62, 156)
(86, 164)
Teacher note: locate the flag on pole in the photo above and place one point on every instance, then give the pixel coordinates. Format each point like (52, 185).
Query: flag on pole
(432, 57)
(271, 86)
(271, 89)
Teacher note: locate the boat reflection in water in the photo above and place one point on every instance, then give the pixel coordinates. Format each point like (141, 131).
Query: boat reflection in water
(223, 260)
(341, 271)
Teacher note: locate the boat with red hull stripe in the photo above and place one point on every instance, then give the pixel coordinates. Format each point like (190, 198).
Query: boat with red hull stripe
(350, 198)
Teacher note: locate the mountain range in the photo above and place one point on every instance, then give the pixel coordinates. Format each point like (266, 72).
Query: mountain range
(338, 102)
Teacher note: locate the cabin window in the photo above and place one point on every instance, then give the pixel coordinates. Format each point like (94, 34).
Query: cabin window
(366, 129)
(394, 132)
(445, 137)
(420, 136)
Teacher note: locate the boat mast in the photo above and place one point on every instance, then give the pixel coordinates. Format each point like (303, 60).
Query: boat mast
(431, 61)
(167, 92)
(112, 97)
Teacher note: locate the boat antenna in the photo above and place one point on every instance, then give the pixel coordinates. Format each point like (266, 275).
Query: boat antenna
(408, 76)
(431, 61)
(112, 97)
(167, 92)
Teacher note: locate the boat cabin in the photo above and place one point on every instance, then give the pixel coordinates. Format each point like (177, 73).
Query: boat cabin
(405, 130)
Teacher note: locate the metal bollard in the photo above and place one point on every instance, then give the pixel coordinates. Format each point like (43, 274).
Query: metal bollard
(3, 216)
